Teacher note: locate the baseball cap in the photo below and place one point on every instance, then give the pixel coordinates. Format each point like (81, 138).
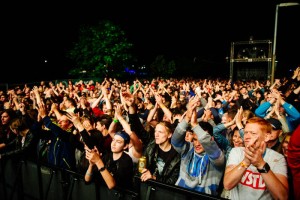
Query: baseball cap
(275, 123)
(124, 135)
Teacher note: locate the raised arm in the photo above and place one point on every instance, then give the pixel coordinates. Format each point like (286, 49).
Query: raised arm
(97, 101)
(276, 183)
(135, 141)
(166, 110)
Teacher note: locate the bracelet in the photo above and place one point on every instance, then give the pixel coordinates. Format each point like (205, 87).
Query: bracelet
(244, 165)
(162, 106)
(89, 174)
(115, 120)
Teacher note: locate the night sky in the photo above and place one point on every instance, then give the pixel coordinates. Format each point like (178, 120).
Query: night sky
(198, 31)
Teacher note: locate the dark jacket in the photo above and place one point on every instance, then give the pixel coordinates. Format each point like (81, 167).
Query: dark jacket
(61, 149)
(26, 151)
(171, 168)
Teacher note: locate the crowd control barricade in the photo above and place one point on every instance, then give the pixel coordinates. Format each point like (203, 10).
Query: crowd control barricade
(28, 180)
(153, 190)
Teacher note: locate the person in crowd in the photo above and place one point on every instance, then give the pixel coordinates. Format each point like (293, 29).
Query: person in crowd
(215, 116)
(283, 149)
(202, 161)
(116, 167)
(163, 161)
(276, 131)
(102, 124)
(293, 160)
(189, 135)
(162, 112)
(237, 139)
(291, 114)
(136, 123)
(61, 150)
(254, 171)
(135, 147)
(6, 135)
(227, 124)
(102, 104)
(70, 105)
(91, 137)
(24, 145)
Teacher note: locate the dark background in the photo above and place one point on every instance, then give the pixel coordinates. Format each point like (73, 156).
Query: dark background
(197, 32)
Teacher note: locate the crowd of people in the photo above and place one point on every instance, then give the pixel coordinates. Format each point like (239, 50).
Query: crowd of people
(230, 139)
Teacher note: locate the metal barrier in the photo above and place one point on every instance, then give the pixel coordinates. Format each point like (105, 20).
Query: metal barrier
(153, 190)
(28, 180)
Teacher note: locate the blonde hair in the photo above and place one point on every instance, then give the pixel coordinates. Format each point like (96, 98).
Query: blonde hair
(168, 126)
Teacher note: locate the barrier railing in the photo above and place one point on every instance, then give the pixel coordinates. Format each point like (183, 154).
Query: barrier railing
(35, 181)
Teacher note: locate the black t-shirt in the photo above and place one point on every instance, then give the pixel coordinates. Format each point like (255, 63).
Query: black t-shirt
(121, 169)
(163, 157)
(163, 154)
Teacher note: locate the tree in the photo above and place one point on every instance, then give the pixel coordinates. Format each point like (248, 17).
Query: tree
(100, 49)
(160, 67)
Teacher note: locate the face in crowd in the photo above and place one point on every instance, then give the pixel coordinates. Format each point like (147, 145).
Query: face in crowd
(257, 130)
(118, 144)
(189, 135)
(237, 139)
(163, 133)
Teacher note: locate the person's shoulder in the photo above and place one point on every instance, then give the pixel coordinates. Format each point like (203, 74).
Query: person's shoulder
(237, 150)
(173, 151)
(272, 153)
(125, 156)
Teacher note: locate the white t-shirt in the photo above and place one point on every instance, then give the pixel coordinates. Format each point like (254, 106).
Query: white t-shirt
(252, 185)
(130, 153)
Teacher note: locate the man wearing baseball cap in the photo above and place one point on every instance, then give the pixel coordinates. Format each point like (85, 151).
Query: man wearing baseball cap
(274, 142)
(115, 167)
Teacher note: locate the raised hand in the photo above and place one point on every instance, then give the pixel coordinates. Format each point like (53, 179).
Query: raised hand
(42, 110)
(92, 155)
(254, 152)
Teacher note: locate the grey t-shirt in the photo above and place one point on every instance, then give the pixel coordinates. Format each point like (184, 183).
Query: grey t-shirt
(252, 186)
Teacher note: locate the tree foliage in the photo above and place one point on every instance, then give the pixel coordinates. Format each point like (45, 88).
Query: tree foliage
(100, 49)
(161, 67)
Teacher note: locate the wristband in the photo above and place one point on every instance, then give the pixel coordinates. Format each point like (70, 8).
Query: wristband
(89, 174)
(244, 165)
(162, 106)
(115, 120)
